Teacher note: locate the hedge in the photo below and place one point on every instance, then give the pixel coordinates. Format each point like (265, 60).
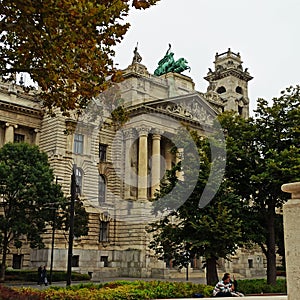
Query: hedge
(31, 276)
(134, 290)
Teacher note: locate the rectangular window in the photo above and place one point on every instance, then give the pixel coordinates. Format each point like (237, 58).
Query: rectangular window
(102, 152)
(17, 261)
(101, 189)
(19, 138)
(78, 143)
(103, 234)
(75, 261)
(105, 260)
(250, 263)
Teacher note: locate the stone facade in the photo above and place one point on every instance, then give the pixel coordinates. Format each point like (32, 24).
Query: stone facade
(118, 168)
(291, 224)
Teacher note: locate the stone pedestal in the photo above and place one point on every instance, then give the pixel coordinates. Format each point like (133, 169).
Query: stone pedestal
(291, 222)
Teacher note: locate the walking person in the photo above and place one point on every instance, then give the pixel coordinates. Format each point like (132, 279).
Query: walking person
(44, 276)
(39, 281)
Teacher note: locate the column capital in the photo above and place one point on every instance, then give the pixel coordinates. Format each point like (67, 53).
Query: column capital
(157, 133)
(143, 131)
(12, 125)
(128, 133)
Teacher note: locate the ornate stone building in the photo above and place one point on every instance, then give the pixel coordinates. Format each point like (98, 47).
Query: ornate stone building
(118, 167)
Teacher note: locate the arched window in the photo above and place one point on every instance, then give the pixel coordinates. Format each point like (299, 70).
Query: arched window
(79, 176)
(101, 189)
(239, 90)
(221, 90)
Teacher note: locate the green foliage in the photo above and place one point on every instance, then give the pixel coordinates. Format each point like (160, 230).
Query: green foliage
(258, 286)
(28, 194)
(119, 116)
(7, 293)
(31, 275)
(262, 154)
(81, 218)
(213, 231)
(135, 290)
(66, 46)
(131, 290)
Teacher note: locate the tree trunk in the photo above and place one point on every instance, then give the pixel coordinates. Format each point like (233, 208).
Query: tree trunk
(3, 262)
(271, 248)
(211, 271)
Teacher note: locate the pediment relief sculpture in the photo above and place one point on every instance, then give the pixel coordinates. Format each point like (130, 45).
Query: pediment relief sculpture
(194, 111)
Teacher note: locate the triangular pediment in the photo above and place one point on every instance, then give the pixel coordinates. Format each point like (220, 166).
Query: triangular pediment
(190, 107)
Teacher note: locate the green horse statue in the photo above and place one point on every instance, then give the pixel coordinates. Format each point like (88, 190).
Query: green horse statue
(168, 64)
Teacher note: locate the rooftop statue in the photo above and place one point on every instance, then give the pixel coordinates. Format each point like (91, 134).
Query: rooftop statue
(168, 64)
(136, 56)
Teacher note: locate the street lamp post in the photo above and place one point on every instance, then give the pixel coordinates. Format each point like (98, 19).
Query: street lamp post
(52, 244)
(53, 236)
(71, 229)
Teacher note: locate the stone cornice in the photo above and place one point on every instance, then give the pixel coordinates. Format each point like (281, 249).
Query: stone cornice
(13, 107)
(145, 76)
(230, 72)
(143, 109)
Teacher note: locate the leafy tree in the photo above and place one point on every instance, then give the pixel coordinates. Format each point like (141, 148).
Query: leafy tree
(262, 154)
(27, 192)
(214, 231)
(66, 46)
(81, 219)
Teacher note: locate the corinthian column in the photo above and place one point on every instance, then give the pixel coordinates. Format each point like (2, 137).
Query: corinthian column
(37, 136)
(9, 133)
(128, 134)
(156, 162)
(143, 163)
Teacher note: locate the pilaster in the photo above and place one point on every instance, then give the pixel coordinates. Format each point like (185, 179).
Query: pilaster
(291, 223)
(9, 133)
(156, 162)
(143, 163)
(128, 174)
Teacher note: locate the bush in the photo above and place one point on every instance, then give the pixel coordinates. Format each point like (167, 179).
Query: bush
(258, 286)
(145, 289)
(117, 290)
(7, 293)
(134, 290)
(130, 290)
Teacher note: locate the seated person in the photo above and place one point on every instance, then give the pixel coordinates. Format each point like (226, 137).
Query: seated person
(226, 288)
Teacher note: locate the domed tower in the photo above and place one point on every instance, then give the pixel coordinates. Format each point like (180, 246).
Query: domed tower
(230, 81)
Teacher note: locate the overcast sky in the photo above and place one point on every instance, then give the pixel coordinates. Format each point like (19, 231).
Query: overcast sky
(265, 32)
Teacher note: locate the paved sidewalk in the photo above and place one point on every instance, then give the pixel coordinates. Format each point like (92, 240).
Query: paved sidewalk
(247, 297)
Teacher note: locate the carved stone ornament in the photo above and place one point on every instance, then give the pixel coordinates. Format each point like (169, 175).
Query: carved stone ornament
(143, 131)
(192, 110)
(128, 133)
